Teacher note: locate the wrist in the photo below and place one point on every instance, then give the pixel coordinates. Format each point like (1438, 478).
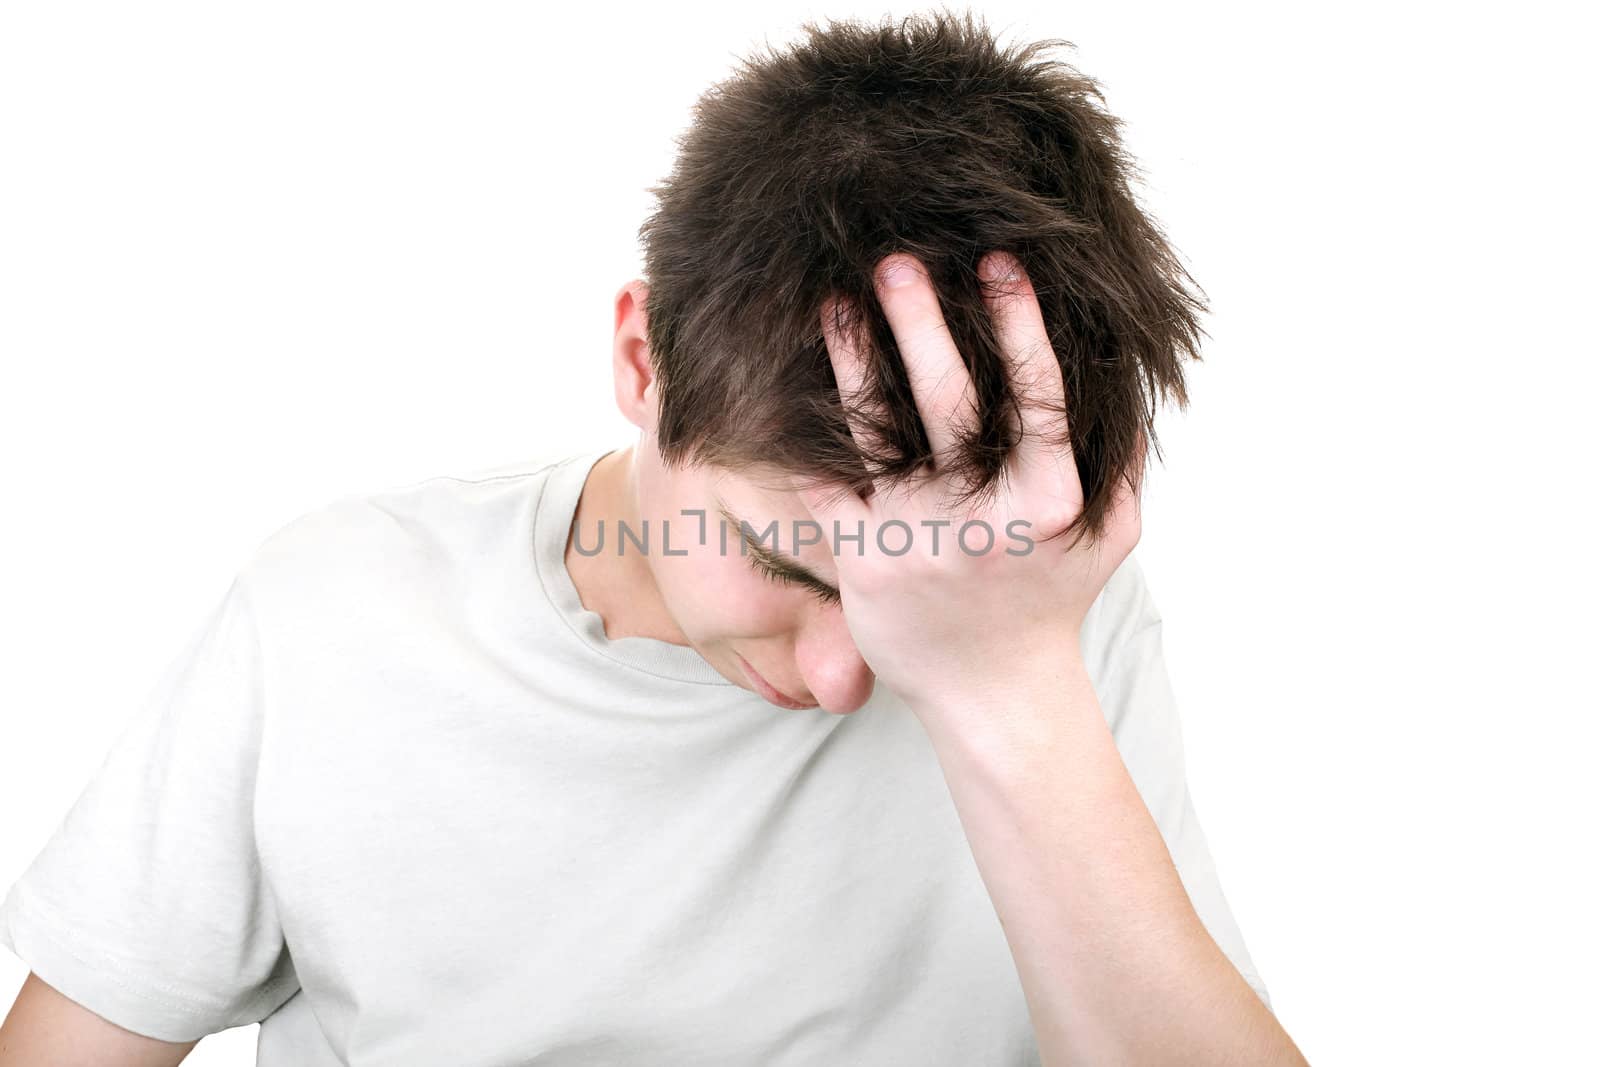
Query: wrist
(1049, 678)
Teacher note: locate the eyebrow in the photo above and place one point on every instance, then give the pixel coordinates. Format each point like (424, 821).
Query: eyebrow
(779, 564)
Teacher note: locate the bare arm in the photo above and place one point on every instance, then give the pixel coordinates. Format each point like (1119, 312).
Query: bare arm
(46, 1029)
(986, 648)
(1115, 963)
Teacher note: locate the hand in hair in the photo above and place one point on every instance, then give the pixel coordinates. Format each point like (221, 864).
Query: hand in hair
(950, 597)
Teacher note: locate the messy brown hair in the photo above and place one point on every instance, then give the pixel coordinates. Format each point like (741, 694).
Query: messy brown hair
(805, 168)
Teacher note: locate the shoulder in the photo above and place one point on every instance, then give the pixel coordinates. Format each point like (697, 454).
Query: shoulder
(391, 536)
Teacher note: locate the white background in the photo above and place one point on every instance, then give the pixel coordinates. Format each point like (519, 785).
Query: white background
(254, 258)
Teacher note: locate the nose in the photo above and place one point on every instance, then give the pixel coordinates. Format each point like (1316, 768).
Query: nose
(833, 672)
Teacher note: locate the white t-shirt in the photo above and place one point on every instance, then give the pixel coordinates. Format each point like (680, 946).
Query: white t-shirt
(402, 801)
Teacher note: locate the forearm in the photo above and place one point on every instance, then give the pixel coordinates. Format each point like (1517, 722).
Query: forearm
(1116, 966)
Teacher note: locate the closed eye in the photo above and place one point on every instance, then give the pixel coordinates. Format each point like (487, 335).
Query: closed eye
(825, 593)
(777, 568)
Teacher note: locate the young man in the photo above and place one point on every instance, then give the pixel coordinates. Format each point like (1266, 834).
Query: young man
(826, 724)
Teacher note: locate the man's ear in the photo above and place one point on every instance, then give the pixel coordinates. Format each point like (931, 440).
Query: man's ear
(630, 357)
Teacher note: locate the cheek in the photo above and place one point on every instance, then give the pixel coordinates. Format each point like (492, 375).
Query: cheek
(713, 595)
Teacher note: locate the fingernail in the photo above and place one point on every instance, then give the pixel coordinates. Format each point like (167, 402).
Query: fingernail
(998, 267)
(897, 274)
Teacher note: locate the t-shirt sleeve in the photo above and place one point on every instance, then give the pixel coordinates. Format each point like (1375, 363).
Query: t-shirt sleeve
(1136, 696)
(147, 906)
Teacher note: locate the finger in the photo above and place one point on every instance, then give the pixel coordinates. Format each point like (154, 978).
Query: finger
(945, 398)
(1125, 514)
(1032, 368)
(862, 410)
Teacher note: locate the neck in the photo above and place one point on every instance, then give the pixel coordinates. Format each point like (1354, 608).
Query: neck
(621, 589)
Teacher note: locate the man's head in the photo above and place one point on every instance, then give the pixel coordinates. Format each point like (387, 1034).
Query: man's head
(799, 174)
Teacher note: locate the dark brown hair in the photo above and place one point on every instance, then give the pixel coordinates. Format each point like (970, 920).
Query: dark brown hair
(806, 167)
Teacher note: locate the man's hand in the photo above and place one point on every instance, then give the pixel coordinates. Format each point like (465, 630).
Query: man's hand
(983, 646)
(981, 598)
